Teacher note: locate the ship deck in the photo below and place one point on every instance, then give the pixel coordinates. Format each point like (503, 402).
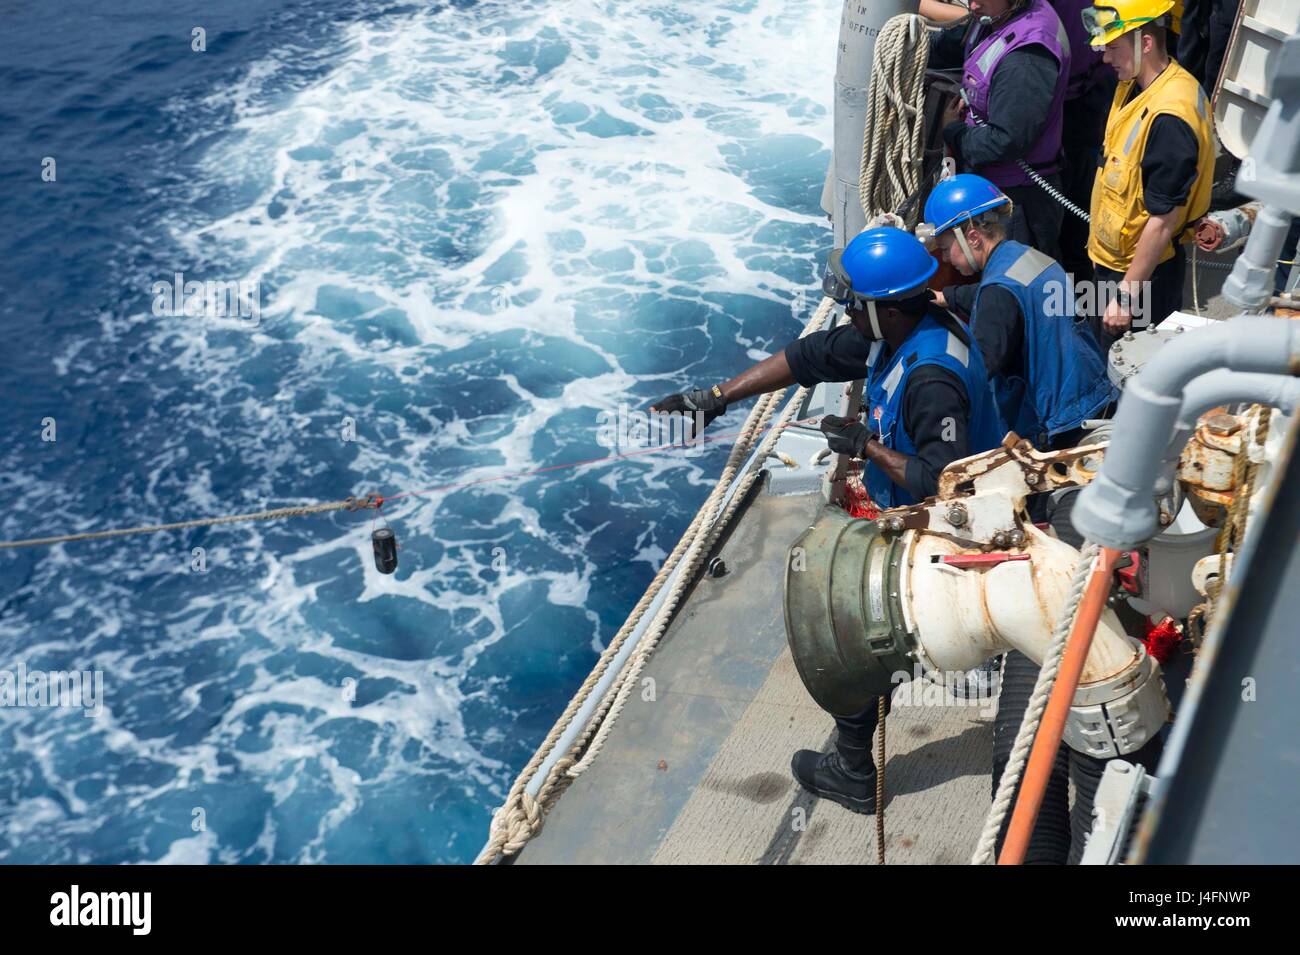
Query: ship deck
(701, 774)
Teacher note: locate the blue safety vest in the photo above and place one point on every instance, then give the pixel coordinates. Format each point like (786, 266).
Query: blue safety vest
(929, 344)
(1064, 376)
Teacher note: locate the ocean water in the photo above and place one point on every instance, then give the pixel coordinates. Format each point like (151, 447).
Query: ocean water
(468, 228)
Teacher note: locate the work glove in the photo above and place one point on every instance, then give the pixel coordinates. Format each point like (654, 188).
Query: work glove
(846, 435)
(700, 405)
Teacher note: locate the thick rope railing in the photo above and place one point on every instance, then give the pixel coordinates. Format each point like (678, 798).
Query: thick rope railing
(522, 814)
(618, 695)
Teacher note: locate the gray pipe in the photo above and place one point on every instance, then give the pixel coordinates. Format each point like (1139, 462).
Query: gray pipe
(1221, 387)
(1250, 286)
(1118, 509)
(860, 24)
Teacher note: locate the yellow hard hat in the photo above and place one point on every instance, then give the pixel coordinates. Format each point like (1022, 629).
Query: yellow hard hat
(1113, 18)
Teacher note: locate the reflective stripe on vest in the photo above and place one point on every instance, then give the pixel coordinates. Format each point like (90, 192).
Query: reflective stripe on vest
(886, 389)
(1118, 211)
(1062, 381)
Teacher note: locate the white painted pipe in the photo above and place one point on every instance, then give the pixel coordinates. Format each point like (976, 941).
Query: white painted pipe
(965, 616)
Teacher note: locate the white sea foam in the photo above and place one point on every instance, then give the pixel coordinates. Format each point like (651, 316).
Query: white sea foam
(595, 185)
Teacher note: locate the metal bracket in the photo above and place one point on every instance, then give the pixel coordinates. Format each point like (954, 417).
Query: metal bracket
(1122, 789)
(981, 498)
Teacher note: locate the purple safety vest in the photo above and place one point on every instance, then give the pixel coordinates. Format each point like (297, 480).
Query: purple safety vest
(1085, 62)
(1037, 24)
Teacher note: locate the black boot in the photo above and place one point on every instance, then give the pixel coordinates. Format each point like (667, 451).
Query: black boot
(848, 778)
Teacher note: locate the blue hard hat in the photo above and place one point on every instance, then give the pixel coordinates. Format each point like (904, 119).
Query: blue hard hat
(883, 263)
(960, 198)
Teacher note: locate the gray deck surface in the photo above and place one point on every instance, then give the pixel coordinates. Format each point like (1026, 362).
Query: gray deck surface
(701, 774)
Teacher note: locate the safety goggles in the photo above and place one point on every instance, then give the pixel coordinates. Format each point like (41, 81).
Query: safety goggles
(1102, 22)
(836, 284)
(839, 288)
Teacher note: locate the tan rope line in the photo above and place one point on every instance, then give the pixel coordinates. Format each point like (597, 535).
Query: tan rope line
(880, 781)
(522, 815)
(350, 504)
(892, 142)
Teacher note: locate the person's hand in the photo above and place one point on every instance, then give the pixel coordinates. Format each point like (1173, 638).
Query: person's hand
(846, 435)
(700, 405)
(1117, 319)
(955, 111)
(1209, 234)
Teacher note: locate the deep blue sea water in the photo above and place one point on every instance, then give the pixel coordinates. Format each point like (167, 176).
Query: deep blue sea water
(472, 228)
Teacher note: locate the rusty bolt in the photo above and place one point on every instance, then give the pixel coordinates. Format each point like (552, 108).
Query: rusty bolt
(1000, 539)
(1222, 424)
(1031, 477)
(1017, 538)
(895, 523)
(1165, 518)
(957, 515)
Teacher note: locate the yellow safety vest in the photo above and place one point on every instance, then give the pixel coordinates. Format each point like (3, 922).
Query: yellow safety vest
(1118, 212)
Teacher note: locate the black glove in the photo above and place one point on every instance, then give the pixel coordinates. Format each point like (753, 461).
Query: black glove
(698, 404)
(846, 435)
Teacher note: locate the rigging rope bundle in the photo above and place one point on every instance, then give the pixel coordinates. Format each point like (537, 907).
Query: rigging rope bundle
(893, 148)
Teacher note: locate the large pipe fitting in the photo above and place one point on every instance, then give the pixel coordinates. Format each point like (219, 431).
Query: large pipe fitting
(1121, 714)
(1118, 509)
(864, 606)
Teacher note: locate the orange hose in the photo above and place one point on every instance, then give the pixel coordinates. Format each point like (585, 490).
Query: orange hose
(1048, 739)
